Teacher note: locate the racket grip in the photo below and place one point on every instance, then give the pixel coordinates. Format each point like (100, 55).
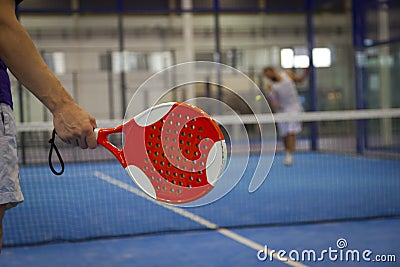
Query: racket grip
(102, 139)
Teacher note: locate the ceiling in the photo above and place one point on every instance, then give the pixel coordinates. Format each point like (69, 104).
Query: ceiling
(164, 5)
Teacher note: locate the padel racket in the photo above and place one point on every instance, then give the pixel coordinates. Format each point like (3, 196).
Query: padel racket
(174, 152)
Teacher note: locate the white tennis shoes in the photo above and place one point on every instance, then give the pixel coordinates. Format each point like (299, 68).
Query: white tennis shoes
(288, 159)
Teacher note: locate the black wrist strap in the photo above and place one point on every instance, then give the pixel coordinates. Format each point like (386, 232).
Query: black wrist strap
(53, 146)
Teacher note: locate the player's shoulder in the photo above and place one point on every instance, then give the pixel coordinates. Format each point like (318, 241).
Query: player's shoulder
(8, 8)
(290, 74)
(16, 2)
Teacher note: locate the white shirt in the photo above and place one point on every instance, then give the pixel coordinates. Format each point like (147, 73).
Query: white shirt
(286, 94)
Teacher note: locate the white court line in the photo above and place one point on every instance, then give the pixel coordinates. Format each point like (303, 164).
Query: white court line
(232, 235)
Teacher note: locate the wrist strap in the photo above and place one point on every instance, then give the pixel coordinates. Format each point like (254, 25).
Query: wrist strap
(53, 146)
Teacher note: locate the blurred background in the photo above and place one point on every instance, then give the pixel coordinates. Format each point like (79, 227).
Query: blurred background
(106, 49)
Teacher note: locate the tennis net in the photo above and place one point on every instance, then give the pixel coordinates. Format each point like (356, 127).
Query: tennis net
(345, 167)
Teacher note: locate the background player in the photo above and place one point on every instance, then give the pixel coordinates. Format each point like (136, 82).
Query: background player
(285, 99)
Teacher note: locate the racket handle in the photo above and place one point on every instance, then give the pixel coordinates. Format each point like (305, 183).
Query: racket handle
(102, 139)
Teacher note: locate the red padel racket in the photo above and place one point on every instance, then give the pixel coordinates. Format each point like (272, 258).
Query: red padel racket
(175, 152)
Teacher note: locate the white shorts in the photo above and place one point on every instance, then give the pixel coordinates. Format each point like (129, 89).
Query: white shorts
(10, 189)
(291, 127)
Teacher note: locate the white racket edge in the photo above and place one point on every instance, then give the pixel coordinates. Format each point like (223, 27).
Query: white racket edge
(216, 162)
(216, 159)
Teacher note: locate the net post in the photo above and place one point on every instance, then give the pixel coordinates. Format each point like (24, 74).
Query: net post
(312, 85)
(21, 104)
(217, 49)
(110, 82)
(21, 119)
(359, 69)
(121, 48)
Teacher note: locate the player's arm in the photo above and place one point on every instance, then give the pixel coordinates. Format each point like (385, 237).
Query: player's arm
(298, 78)
(272, 97)
(73, 125)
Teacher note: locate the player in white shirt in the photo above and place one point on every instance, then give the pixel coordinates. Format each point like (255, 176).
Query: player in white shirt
(284, 99)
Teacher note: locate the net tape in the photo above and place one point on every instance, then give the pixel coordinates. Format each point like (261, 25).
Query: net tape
(250, 119)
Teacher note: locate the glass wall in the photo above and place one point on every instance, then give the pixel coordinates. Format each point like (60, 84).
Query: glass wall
(382, 76)
(83, 47)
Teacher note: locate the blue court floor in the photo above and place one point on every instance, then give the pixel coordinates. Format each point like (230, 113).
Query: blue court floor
(81, 220)
(209, 248)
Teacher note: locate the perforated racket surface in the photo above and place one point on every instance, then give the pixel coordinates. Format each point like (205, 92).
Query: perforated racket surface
(174, 152)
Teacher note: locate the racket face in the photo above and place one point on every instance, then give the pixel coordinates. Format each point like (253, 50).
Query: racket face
(174, 152)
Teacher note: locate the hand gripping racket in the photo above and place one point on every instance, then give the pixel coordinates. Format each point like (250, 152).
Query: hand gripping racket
(174, 152)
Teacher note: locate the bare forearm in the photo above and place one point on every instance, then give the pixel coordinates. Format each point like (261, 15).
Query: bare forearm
(24, 61)
(304, 75)
(72, 123)
(298, 78)
(273, 100)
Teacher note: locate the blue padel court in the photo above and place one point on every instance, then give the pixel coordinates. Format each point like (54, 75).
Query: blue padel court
(100, 218)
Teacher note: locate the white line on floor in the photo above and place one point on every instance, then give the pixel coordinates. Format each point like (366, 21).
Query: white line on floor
(210, 225)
